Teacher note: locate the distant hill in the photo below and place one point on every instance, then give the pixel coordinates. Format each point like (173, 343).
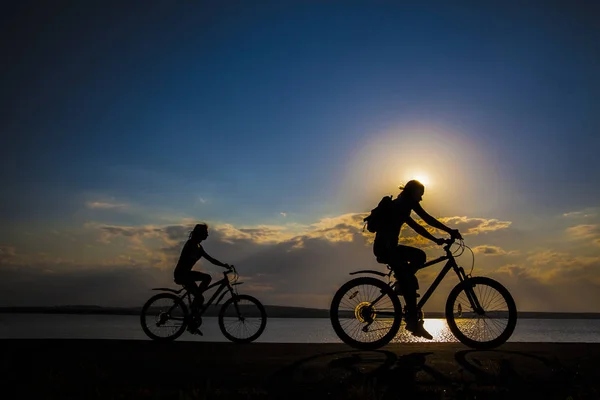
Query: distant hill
(272, 312)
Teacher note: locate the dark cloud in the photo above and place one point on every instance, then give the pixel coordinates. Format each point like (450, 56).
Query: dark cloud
(282, 267)
(536, 293)
(42, 286)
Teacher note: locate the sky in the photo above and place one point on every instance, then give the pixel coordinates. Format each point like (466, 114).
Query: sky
(280, 124)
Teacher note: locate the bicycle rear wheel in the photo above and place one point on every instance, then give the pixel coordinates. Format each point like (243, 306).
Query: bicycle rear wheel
(487, 327)
(242, 319)
(164, 317)
(365, 313)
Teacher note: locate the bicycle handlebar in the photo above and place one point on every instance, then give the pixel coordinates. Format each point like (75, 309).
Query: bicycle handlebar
(449, 242)
(231, 270)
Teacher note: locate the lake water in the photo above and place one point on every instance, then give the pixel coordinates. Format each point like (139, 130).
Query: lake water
(278, 330)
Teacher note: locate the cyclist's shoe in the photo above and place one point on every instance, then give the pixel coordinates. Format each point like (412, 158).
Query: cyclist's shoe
(196, 331)
(194, 324)
(417, 329)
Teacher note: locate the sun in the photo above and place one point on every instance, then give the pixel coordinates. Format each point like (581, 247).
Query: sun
(423, 178)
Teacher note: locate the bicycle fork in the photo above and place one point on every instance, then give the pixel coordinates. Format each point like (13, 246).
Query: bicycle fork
(471, 296)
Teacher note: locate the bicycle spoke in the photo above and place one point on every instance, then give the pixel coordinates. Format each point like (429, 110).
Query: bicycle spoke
(486, 326)
(242, 319)
(362, 296)
(164, 317)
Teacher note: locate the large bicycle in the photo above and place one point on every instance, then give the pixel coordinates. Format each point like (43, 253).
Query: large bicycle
(366, 313)
(242, 318)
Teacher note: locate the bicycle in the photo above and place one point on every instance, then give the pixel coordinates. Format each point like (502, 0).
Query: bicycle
(232, 311)
(378, 320)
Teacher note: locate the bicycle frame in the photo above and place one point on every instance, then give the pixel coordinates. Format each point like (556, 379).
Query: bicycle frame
(450, 264)
(222, 283)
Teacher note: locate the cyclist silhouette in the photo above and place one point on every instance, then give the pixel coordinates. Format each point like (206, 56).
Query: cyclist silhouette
(192, 252)
(405, 260)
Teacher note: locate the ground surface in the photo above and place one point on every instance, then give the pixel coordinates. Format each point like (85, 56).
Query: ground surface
(102, 369)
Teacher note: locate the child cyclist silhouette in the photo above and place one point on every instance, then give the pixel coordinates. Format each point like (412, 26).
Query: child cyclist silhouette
(192, 252)
(405, 261)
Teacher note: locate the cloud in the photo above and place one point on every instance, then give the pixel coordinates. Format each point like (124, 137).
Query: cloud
(105, 205)
(334, 229)
(492, 250)
(546, 257)
(589, 232)
(475, 226)
(536, 290)
(287, 264)
(349, 219)
(338, 233)
(343, 228)
(261, 234)
(278, 262)
(120, 285)
(467, 226)
(283, 214)
(585, 213)
(135, 235)
(513, 270)
(7, 252)
(560, 266)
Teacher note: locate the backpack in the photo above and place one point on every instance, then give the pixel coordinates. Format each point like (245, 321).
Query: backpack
(380, 216)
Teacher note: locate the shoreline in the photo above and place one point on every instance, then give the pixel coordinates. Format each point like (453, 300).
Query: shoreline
(272, 312)
(104, 368)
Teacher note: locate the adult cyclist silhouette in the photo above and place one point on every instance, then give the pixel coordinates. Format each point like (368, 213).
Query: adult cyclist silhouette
(191, 252)
(406, 260)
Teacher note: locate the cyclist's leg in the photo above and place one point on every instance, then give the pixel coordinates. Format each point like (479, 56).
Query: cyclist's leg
(410, 259)
(405, 262)
(204, 279)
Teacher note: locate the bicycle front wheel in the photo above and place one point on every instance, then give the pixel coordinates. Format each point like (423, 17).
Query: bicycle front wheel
(365, 313)
(164, 317)
(242, 319)
(481, 313)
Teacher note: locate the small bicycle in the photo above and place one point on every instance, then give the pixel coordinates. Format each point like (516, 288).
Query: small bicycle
(242, 318)
(366, 313)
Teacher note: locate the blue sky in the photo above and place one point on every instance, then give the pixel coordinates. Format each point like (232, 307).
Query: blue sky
(237, 112)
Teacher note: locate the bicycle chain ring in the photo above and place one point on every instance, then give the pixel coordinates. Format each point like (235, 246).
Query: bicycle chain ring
(161, 318)
(365, 312)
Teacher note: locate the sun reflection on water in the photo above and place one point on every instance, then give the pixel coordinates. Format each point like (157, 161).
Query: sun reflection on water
(436, 326)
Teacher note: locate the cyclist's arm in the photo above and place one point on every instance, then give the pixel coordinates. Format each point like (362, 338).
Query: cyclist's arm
(213, 260)
(420, 229)
(429, 220)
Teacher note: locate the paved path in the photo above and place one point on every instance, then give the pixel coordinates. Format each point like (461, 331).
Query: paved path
(61, 368)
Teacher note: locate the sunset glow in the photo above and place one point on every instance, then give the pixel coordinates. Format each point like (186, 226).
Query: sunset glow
(424, 179)
(281, 127)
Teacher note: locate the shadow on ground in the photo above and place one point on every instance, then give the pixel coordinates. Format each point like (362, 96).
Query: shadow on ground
(472, 374)
(119, 369)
